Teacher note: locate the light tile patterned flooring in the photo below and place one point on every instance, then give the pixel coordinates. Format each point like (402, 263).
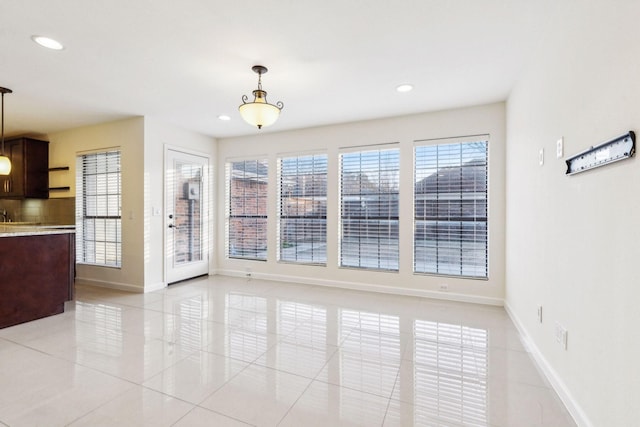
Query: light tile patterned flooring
(220, 351)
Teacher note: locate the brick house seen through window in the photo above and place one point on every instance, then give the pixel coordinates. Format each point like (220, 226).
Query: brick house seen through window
(247, 183)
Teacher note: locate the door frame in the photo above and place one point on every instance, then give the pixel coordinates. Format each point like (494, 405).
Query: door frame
(207, 207)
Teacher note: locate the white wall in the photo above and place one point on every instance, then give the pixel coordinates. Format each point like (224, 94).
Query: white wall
(488, 119)
(128, 135)
(159, 135)
(142, 141)
(573, 243)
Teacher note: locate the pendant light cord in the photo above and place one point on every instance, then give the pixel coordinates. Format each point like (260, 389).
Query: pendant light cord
(2, 123)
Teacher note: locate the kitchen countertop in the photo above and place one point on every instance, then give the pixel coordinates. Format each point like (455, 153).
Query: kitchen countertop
(34, 230)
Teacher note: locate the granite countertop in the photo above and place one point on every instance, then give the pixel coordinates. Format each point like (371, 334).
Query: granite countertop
(14, 230)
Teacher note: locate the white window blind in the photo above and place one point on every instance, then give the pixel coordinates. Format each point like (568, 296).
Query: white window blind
(450, 201)
(247, 184)
(302, 220)
(369, 183)
(98, 209)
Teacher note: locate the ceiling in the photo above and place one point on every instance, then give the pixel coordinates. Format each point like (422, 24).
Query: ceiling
(187, 62)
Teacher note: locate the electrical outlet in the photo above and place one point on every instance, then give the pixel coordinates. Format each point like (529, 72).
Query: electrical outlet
(443, 287)
(559, 147)
(539, 314)
(247, 272)
(562, 336)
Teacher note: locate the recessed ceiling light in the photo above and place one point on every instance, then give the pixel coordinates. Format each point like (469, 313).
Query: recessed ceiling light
(404, 88)
(224, 117)
(47, 42)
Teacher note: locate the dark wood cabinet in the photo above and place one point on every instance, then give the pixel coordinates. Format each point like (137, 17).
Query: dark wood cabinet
(37, 276)
(29, 177)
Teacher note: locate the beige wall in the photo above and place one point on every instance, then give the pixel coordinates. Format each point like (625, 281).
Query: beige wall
(128, 135)
(572, 242)
(487, 119)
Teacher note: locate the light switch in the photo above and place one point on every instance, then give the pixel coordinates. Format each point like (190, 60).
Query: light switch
(155, 211)
(559, 147)
(541, 156)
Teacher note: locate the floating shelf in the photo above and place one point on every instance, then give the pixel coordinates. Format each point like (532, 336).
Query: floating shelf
(56, 169)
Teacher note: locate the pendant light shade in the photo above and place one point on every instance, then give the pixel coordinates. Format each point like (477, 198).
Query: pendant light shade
(5, 163)
(259, 112)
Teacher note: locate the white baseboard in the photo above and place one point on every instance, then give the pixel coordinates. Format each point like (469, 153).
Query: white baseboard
(449, 296)
(155, 287)
(558, 385)
(110, 285)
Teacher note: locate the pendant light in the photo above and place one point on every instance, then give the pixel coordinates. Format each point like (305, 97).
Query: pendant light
(5, 163)
(259, 112)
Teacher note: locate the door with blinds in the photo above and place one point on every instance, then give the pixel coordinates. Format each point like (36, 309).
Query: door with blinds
(187, 213)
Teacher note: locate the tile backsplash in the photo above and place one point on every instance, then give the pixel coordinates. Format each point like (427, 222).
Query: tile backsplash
(60, 211)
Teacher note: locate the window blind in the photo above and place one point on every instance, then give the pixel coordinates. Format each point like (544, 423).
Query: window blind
(302, 219)
(450, 202)
(247, 184)
(369, 188)
(98, 209)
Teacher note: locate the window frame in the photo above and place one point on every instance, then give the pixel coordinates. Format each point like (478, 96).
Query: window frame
(83, 250)
(231, 216)
(314, 197)
(437, 143)
(392, 221)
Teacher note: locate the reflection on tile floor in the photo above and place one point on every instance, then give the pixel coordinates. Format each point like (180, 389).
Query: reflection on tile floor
(234, 352)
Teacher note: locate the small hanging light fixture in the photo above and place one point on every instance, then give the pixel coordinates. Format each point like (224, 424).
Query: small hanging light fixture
(5, 163)
(259, 112)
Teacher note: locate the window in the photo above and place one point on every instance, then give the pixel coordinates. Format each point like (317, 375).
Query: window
(303, 209)
(247, 209)
(369, 182)
(98, 210)
(450, 201)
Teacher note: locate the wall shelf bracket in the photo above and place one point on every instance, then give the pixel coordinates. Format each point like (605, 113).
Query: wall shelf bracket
(620, 148)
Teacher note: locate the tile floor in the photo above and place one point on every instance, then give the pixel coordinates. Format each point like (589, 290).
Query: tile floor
(219, 351)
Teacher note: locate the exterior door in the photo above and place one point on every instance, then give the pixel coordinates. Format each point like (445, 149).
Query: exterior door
(187, 215)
